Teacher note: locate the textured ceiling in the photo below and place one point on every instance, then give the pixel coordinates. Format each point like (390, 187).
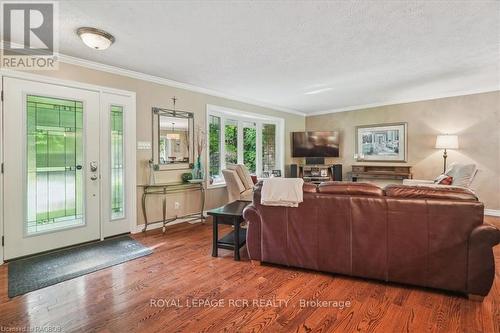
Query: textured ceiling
(351, 52)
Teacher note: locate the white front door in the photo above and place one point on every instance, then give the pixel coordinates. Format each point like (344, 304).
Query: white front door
(51, 166)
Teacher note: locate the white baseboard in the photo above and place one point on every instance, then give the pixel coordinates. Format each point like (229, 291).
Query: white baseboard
(159, 224)
(492, 212)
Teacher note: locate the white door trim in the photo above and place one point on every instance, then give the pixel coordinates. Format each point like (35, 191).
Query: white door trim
(66, 83)
(1, 173)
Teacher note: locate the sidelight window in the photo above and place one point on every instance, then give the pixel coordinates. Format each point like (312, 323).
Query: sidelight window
(117, 163)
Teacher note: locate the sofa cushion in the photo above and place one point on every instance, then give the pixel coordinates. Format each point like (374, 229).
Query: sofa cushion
(309, 188)
(443, 179)
(430, 192)
(350, 188)
(446, 181)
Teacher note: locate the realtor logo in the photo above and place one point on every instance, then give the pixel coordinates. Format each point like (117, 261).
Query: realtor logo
(29, 33)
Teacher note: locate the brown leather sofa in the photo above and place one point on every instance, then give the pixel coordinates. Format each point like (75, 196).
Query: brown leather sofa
(425, 236)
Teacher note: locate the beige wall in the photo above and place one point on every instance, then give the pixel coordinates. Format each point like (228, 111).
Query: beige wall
(150, 94)
(475, 118)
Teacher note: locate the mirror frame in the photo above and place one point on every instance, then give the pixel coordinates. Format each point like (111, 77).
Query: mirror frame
(155, 136)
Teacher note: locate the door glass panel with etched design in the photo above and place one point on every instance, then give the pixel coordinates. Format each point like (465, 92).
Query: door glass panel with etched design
(117, 193)
(55, 157)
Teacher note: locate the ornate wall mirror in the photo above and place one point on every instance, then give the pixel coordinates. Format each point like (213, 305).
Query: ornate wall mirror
(173, 137)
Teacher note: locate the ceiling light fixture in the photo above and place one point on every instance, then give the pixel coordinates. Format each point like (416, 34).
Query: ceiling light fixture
(95, 38)
(173, 135)
(318, 91)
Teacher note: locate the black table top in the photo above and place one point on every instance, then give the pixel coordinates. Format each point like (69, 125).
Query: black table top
(234, 208)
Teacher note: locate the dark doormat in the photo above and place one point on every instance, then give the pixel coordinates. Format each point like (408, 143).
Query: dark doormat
(44, 270)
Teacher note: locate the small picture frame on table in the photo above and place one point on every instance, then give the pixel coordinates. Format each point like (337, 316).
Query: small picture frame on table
(276, 173)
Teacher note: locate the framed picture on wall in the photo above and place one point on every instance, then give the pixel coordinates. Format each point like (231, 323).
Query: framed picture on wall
(382, 143)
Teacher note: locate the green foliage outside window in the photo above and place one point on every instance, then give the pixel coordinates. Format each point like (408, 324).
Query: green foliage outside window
(54, 149)
(230, 142)
(231, 138)
(249, 148)
(214, 145)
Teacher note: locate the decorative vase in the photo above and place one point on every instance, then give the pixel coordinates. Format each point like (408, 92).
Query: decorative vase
(152, 178)
(198, 170)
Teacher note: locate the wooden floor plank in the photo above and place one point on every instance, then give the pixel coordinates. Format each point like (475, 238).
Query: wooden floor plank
(118, 299)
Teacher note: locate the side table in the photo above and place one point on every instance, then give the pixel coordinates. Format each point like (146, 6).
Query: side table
(230, 214)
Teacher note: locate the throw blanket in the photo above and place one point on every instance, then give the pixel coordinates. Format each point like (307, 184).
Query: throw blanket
(282, 192)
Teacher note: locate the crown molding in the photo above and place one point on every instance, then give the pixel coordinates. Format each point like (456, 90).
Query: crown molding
(167, 82)
(407, 100)
(160, 80)
(25, 75)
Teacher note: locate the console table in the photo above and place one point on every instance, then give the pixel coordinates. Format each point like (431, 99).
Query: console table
(380, 172)
(167, 188)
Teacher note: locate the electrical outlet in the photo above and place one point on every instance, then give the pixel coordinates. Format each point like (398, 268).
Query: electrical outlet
(143, 145)
(177, 205)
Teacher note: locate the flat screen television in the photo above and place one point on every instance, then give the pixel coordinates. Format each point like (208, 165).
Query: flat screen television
(315, 144)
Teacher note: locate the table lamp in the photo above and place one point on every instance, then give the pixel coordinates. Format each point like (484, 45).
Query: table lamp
(446, 141)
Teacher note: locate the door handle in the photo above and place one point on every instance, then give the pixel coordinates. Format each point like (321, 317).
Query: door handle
(93, 166)
(93, 177)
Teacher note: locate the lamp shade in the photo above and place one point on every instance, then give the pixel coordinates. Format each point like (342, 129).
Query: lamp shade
(173, 136)
(447, 141)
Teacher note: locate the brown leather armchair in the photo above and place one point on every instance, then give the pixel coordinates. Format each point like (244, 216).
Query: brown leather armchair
(430, 237)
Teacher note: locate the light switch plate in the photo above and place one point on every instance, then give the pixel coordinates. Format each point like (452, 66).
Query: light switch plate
(143, 145)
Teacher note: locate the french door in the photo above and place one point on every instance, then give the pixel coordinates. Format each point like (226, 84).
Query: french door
(52, 192)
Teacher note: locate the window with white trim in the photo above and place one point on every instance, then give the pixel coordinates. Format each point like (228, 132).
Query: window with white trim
(236, 137)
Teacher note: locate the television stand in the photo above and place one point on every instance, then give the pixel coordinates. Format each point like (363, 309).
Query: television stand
(316, 173)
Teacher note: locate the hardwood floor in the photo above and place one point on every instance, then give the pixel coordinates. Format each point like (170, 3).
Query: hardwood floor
(118, 299)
